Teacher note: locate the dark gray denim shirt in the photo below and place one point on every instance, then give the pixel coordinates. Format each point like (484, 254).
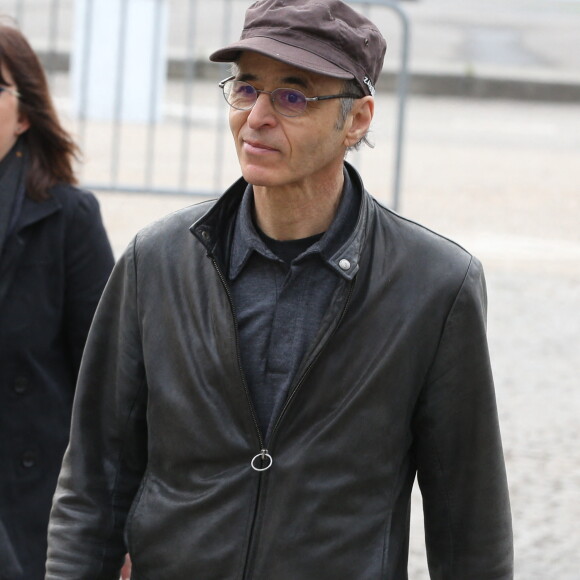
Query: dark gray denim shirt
(280, 305)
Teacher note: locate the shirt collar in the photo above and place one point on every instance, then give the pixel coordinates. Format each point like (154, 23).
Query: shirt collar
(332, 247)
(246, 239)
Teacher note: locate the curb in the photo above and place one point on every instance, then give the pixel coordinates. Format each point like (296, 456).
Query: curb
(487, 87)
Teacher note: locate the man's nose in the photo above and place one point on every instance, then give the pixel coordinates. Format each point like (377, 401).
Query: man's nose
(263, 112)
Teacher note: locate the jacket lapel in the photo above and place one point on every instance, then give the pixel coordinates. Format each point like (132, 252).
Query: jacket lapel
(32, 212)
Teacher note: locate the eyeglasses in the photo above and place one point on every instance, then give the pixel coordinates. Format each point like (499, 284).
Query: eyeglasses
(287, 102)
(11, 91)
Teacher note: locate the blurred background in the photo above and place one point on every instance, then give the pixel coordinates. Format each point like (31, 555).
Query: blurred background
(477, 136)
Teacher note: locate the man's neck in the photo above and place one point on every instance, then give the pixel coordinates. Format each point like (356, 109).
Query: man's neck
(296, 212)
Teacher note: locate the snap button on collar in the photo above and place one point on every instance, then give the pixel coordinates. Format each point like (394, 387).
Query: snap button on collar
(28, 459)
(20, 385)
(344, 265)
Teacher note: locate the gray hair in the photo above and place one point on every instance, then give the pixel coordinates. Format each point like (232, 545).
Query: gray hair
(352, 87)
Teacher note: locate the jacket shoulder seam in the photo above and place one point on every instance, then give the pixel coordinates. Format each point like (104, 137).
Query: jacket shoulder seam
(398, 217)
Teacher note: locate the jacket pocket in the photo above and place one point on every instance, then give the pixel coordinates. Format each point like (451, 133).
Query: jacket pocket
(129, 524)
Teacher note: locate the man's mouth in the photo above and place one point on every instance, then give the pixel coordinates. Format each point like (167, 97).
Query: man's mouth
(257, 147)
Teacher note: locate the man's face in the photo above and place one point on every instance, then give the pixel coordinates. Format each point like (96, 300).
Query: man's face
(274, 150)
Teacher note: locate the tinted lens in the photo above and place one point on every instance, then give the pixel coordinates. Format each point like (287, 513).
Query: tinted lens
(289, 102)
(240, 95)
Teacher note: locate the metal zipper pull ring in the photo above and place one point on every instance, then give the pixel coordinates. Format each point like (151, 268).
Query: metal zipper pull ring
(263, 455)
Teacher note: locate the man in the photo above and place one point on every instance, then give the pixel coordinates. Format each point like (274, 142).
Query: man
(266, 374)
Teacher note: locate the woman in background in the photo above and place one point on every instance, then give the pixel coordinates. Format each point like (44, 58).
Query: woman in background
(55, 259)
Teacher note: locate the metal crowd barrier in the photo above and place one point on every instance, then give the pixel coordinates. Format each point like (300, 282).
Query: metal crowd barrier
(180, 145)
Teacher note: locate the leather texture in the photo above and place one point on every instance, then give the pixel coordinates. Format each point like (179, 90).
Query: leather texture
(398, 381)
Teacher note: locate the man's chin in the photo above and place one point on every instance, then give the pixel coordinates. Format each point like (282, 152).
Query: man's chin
(260, 177)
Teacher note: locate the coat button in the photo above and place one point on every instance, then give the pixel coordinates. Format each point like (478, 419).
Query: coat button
(344, 265)
(20, 385)
(28, 459)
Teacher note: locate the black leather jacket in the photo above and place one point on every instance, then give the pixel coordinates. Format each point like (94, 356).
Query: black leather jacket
(398, 381)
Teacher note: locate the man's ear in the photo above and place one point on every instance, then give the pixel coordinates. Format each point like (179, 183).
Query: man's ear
(359, 120)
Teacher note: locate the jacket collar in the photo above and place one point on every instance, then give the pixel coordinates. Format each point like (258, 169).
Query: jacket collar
(247, 240)
(215, 229)
(35, 211)
(31, 213)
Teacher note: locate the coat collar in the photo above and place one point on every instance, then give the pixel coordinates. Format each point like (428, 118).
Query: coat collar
(35, 211)
(32, 212)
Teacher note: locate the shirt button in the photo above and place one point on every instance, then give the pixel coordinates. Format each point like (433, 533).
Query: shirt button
(344, 265)
(28, 459)
(20, 385)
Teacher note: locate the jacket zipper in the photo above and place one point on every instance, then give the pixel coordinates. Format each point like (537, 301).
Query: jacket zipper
(263, 450)
(263, 454)
(251, 547)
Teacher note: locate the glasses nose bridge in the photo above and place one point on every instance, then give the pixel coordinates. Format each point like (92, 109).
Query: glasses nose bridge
(270, 96)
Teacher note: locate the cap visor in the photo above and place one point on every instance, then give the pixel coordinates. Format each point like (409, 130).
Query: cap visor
(283, 52)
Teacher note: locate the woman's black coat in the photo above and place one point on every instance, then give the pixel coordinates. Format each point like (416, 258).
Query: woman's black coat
(52, 271)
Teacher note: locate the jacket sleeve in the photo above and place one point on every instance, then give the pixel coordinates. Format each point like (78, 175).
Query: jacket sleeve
(89, 261)
(106, 457)
(461, 470)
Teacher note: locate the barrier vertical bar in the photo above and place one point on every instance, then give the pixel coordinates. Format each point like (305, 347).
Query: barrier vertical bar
(20, 13)
(151, 133)
(84, 93)
(403, 89)
(52, 41)
(219, 152)
(117, 114)
(189, 75)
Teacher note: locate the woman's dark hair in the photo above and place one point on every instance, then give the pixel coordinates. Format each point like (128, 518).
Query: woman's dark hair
(51, 149)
